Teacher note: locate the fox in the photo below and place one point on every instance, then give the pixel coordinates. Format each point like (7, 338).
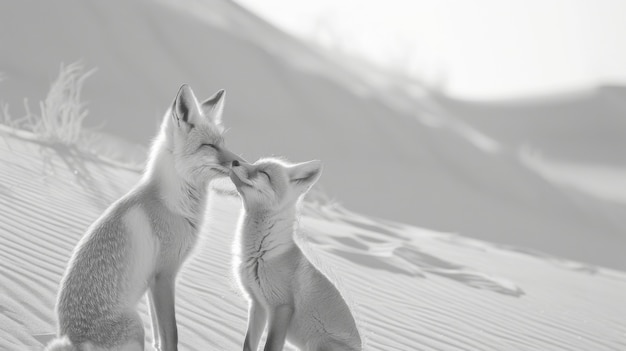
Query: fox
(140, 242)
(286, 292)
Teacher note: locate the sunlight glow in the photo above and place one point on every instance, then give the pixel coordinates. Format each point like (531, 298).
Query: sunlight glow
(481, 49)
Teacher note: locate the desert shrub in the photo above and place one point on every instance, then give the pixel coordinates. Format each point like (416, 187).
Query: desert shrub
(61, 114)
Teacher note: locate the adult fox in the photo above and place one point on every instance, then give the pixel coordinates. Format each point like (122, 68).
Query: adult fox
(141, 241)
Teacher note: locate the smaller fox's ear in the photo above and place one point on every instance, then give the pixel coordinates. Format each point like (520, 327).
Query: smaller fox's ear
(304, 175)
(213, 107)
(185, 108)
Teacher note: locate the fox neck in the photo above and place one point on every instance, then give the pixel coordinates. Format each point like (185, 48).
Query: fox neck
(265, 234)
(185, 198)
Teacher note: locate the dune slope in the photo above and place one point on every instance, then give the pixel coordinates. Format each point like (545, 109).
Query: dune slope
(387, 153)
(410, 288)
(584, 127)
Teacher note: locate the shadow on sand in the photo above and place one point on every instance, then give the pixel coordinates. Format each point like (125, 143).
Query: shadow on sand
(401, 257)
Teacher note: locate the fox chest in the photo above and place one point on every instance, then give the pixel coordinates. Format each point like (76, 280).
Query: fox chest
(177, 241)
(268, 280)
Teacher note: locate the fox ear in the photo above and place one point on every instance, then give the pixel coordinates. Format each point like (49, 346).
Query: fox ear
(214, 106)
(304, 175)
(185, 108)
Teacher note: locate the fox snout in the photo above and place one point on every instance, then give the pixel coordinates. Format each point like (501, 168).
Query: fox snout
(226, 158)
(239, 173)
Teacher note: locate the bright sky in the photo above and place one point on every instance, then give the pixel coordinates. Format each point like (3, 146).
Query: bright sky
(481, 49)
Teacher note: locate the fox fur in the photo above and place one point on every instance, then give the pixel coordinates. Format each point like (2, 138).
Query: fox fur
(141, 240)
(286, 293)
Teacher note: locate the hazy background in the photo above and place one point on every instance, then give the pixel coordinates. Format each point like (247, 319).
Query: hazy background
(503, 121)
(485, 49)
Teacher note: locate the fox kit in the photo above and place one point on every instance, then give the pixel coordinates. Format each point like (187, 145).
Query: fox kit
(286, 292)
(140, 242)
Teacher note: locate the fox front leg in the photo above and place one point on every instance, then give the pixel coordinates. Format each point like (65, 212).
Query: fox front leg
(279, 319)
(257, 318)
(156, 339)
(162, 292)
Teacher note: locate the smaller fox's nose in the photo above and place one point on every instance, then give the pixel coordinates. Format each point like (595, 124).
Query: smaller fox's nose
(235, 163)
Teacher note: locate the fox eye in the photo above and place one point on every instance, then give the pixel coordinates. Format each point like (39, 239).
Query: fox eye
(213, 146)
(267, 175)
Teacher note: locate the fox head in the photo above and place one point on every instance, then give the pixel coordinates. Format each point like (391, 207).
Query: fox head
(273, 185)
(192, 133)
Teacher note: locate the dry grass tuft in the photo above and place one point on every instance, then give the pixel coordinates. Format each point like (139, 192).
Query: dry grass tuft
(61, 114)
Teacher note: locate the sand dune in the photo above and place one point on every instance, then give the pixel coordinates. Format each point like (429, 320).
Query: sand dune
(410, 288)
(585, 127)
(389, 150)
